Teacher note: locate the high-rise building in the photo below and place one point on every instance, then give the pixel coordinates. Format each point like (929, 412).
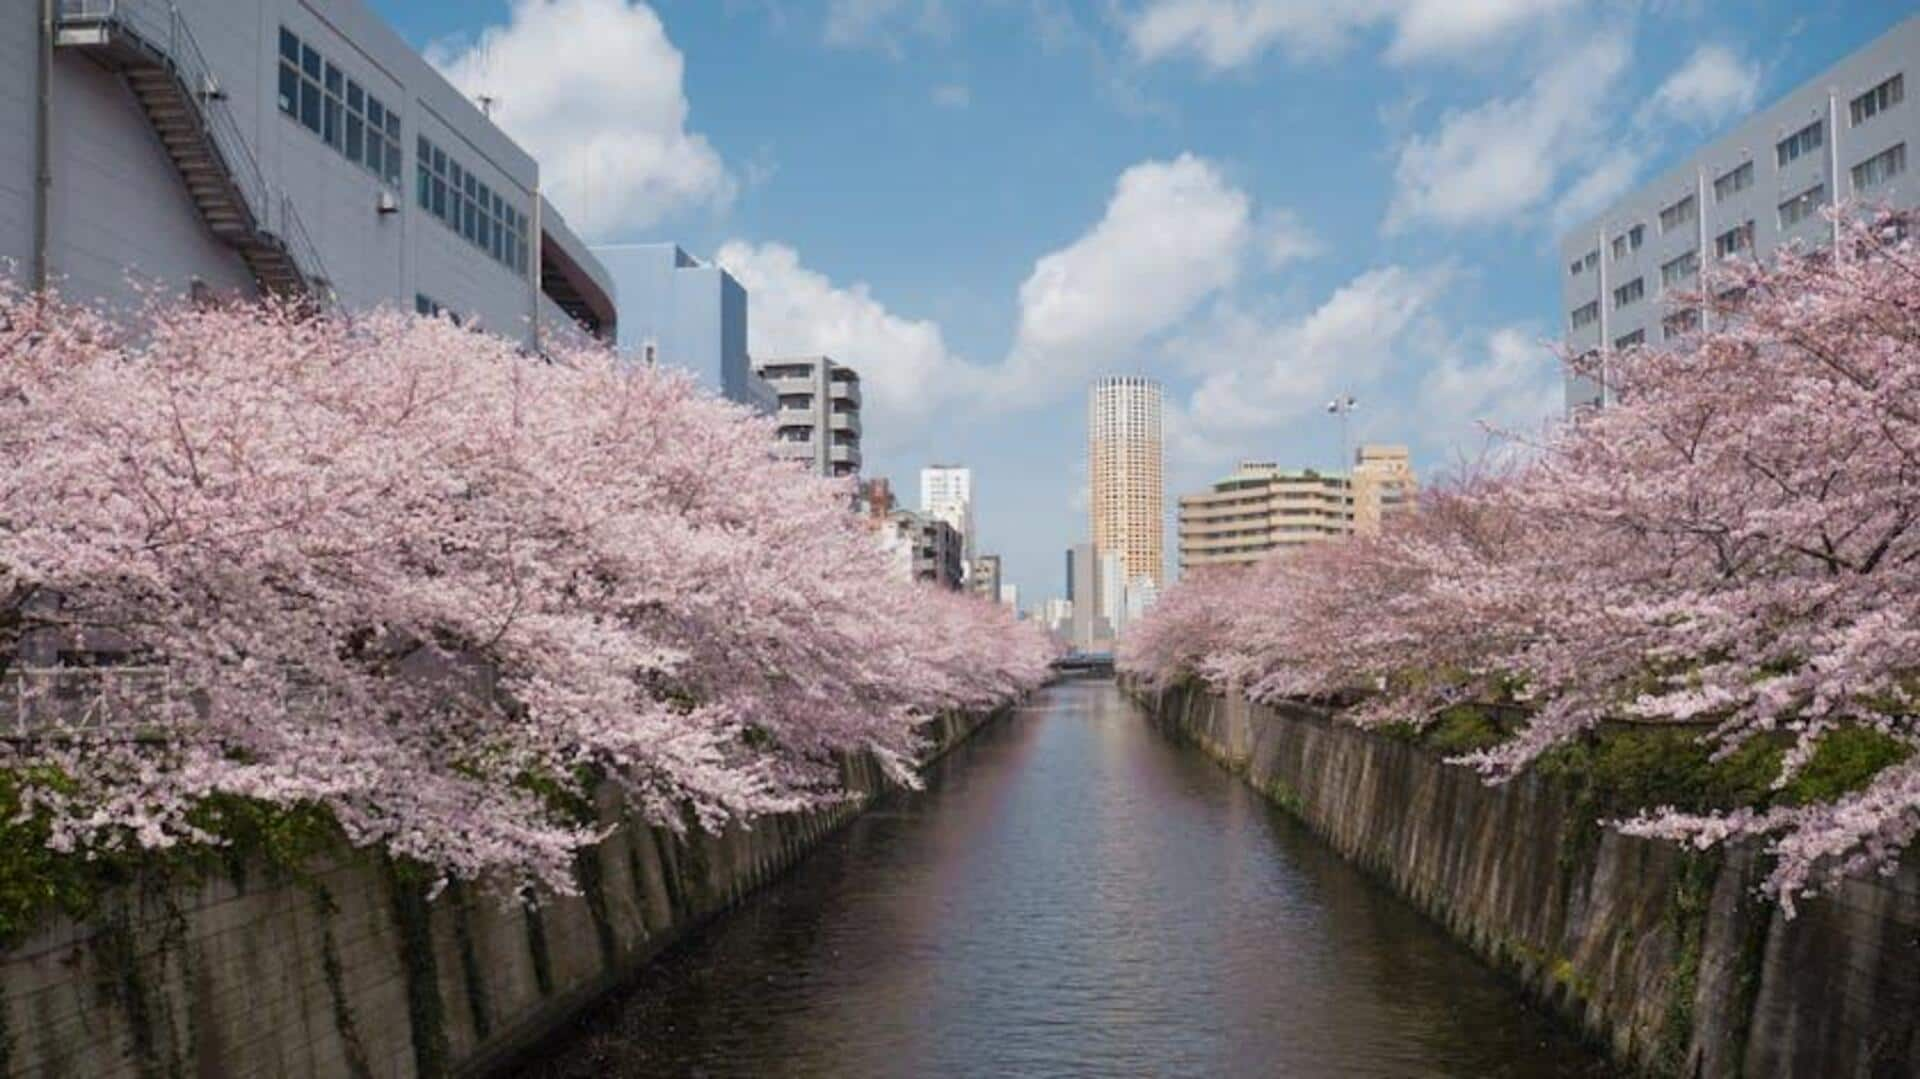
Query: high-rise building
(1010, 598)
(1111, 574)
(946, 492)
(1126, 495)
(1090, 630)
(299, 149)
(1260, 507)
(1383, 485)
(1844, 134)
(817, 412)
(687, 314)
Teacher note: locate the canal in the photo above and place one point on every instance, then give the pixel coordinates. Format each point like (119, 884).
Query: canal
(1072, 895)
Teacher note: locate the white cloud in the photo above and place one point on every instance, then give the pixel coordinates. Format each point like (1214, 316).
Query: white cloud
(1714, 85)
(905, 367)
(953, 95)
(1511, 381)
(1603, 182)
(1497, 162)
(593, 90)
(882, 23)
(1229, 33)
(1284, 239)
(1174, 233)
(1259, 372)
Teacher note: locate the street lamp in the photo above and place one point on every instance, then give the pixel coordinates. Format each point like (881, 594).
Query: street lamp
(1342, 406)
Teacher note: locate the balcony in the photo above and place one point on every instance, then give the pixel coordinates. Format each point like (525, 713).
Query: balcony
(845, 455)
(846, 421)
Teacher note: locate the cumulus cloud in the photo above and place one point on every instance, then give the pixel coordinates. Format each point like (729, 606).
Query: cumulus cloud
(1500, 160)
(1174, 233)
(593, 89)
(1711, 87)
(905, 366)
(1509, 380)
(1285, 238)
(1226, 34)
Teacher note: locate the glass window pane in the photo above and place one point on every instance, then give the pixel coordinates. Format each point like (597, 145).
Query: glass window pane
(331, 130)
(289, 90)
(483, 231)
(454, 175)
(335, 81)
(289, 46)
(392, 174)
(424, 185)
(376, 152)
(310, 105)
(356, 98)
(356, 133)
(439, 161)
(310, 62)
(439, 198)
(393, 125)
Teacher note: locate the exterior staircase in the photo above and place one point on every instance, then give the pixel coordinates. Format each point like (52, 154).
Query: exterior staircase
(150, 45)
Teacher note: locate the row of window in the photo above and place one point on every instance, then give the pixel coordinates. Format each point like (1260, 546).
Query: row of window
(315, 94)
(1630, 293)
(470, 208)
(1871, 173)
(1878, 100)
(1799, 144)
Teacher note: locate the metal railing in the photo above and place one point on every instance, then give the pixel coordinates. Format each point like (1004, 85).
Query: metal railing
(159, 26)
(97, 704)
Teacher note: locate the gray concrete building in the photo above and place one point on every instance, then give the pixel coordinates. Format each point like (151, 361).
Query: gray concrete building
(817, 410)
(928, 547)
(983, 578)
(296, 148)
(682, 312)
(1844, 135)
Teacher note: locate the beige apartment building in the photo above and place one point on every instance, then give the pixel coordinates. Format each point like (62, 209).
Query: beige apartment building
(1262, 507)
(1126, 495)
(1383, 485)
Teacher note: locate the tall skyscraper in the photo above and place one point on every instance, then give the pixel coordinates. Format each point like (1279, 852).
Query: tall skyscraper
(1127, 496)
(946, 492)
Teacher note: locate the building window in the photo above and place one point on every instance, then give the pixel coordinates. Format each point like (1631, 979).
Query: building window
(474, 211)
(1734, 241)
(1800, 143)
(1574, 270)
(1629, 241)
(319, 97)
(1586, 314)
(1677, 214)
(1678, 271)
(1880, 168)
(1629, 293)
(1802, 206)
(1637, 337)
(1680, 322)
(1732, 183)
(1878, 100)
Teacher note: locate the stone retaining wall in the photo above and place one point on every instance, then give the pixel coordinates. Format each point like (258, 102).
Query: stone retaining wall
(1668, 958)
(353, 972)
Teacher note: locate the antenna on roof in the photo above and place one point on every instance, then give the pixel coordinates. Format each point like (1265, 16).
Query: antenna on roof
(486, 104)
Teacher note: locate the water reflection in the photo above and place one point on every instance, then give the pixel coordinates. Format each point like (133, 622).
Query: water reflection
(1071, 896)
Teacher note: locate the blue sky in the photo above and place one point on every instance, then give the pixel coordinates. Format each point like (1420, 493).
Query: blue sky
(982, 204)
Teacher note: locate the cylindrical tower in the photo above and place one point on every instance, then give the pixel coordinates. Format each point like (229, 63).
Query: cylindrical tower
(1123, 465)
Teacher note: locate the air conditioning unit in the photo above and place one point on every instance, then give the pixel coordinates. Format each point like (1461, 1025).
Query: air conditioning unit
(388, 204)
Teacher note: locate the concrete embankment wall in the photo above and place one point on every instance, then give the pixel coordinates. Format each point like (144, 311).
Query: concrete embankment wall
(355, 972)
(1667, 957)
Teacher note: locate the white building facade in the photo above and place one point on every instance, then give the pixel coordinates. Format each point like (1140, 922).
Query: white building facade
(1844, 135)
(946, 492)
(236, 148)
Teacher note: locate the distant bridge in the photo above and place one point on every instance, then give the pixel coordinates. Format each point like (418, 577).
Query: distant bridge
(1095, 663)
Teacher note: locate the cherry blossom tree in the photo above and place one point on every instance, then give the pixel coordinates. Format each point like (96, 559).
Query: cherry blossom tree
(404, 572)
(1733, 547)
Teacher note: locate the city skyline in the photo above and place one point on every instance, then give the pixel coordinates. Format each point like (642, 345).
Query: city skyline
(1334, 234)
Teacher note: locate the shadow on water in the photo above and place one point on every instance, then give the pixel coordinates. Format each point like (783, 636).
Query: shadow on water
(1072, 895)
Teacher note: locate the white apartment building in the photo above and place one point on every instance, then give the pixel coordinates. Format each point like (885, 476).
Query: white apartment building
(946, 492)
(295, 148)
(1844, 135)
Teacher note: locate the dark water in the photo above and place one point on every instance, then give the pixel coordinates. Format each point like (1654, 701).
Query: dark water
(1071, 896)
